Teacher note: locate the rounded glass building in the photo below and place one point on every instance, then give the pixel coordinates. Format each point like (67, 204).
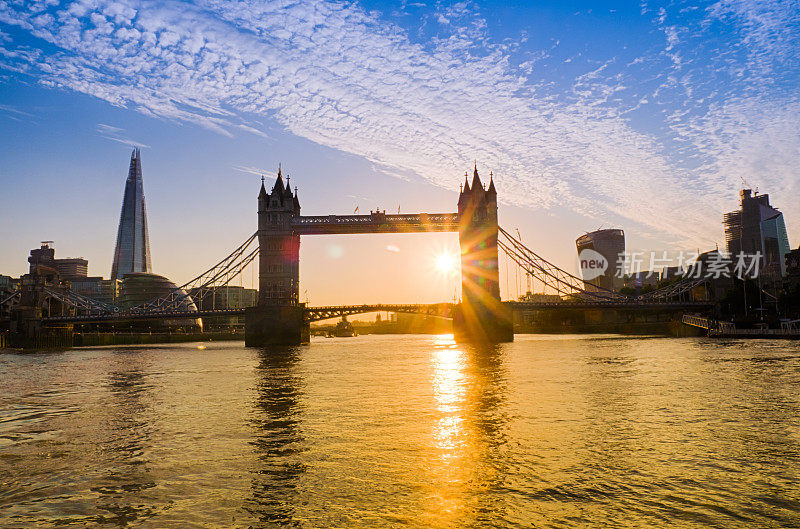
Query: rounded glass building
(611, 245)
(139, 288)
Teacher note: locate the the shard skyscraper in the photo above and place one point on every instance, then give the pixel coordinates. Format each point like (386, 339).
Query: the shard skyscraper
(132, 253)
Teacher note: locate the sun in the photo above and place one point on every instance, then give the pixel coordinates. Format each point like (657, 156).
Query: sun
(445, 263)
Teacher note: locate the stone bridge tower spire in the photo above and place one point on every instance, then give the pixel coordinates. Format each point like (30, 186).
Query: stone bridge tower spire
(481, 316)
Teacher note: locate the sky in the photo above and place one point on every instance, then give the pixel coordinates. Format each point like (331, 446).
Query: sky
(647, 116)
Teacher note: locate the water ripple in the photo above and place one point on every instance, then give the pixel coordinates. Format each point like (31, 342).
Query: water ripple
(411, 431)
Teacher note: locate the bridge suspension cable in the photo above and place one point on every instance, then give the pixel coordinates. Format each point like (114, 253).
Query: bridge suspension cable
(570, 285)
(674, 290)
(79, 302)
(549, 274)
(7, 304)
(195, 290)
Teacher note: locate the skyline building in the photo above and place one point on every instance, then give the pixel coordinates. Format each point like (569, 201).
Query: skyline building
(132, 252)
(757, 227)
(610, 244)
(69, 268)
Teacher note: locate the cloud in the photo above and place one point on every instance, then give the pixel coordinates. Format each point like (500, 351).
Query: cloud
(14, 110)
(102, 128)
(252, 170)
(15, 114)
(345, 78)
(116, 134)
(769, 30)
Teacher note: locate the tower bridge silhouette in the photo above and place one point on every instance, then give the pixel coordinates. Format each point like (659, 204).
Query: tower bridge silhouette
(280, 318)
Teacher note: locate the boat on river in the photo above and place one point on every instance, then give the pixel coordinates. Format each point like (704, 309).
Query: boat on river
(344, 329)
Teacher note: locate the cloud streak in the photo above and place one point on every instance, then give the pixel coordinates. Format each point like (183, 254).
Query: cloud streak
(252, 170)
(339, 76)
(116, 134)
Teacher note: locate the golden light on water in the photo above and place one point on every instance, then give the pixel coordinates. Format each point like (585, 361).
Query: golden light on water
(449, 387)
(451, 437)
(545, 431)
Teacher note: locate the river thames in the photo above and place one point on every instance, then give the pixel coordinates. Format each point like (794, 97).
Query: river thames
(404, 431)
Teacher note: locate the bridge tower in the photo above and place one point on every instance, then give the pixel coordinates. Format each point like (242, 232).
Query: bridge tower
(480, 317)
(279, 246)
(278, 318)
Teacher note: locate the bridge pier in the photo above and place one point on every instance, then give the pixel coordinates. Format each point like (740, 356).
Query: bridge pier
(276, 325)
(28, 332)
(482, 324)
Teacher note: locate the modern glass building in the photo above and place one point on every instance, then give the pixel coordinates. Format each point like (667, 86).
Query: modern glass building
(132, 253)
(139, 288)
(611, 245)
(758, 228)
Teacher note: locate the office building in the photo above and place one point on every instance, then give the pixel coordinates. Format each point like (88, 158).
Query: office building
(640, 280)
(72, 268)
(68, 269)
(758, 228)
(97, 288)
(132, 252)
(611, 245)
(670, 273)
(228, 297)
(793, 267)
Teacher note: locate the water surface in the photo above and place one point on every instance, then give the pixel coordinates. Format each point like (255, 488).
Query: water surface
(404, 431)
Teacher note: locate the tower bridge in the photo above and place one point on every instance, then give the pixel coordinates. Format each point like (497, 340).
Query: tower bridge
(280, 318)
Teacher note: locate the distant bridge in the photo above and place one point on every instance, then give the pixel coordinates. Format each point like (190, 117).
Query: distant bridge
(441, 310)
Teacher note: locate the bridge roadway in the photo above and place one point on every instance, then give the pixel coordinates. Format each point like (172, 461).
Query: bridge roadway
(375, 222)
(442, 310)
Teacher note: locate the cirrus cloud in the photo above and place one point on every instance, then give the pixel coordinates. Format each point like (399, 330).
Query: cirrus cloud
(343, 77)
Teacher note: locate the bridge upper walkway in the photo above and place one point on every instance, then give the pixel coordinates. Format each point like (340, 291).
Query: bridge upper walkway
(375, 222)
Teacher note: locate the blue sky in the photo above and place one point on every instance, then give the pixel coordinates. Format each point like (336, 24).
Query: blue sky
(647, 116)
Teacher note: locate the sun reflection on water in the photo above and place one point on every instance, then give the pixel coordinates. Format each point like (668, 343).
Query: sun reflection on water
(451, 438)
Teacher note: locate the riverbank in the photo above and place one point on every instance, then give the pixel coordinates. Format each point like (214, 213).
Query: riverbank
(65, 340)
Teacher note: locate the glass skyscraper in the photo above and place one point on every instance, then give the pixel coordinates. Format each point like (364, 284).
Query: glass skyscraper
(611, 245)
(758, 228)
(132, 253)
